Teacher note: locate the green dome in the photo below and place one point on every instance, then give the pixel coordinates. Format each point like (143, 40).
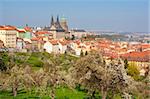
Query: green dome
(63, 19)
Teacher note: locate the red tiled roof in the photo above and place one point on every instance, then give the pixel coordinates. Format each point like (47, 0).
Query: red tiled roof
(110, 54)
(87, 43)
(28, 29)
(77, 42)
(8, 27)
(41, 32)
(21, 30)
(104, 45)
(35, 39)
(137, 56)
(63, 42)
(144, 46)
(40, 37)
(54, 42)
(1, 27)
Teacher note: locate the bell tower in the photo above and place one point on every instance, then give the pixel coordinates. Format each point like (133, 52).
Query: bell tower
(63, 23)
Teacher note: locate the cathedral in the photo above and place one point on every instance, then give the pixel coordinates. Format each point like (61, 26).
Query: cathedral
(58, 28)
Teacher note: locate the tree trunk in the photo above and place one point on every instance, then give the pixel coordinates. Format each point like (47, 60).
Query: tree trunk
(93, 95)
(104, 93)
(14, 89)
(52, 94)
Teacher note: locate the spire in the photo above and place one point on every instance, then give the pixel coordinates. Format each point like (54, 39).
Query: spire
(52, 21)
(57, 18)
(58, 23)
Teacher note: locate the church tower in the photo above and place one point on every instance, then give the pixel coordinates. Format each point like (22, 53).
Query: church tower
(56, 29)
(57, 24)
(63, 23)
(52, 21)
(57, 19)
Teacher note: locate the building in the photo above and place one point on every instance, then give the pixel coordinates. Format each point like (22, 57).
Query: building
(137, 56)
(37, 44)
(62, 46)
(56, 46)
(19, 44)
(51, 46)
(8, 36)
(21, 32)
(1, 44)
(78, 33)
(28, 45)
(29, 33)
(63, 23)
(45, 34)
(58, 29)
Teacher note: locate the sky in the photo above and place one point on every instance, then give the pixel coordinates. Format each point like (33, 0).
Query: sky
(113, 15)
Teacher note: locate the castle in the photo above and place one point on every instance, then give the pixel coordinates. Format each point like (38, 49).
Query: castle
(58, 28)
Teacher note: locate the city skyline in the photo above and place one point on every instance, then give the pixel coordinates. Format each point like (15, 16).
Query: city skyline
(114, 15)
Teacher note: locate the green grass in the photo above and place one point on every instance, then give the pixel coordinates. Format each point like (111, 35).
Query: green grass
(36, 58)
(65, 93)
(61, 93)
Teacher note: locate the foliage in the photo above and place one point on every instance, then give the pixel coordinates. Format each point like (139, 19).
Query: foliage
(2, 65)
(73, 37)
(4, 59)
(92, 73)
(42, 75)
(126, 64)
(81, 53)
(133, 71)
(86, 53)
(144, 87)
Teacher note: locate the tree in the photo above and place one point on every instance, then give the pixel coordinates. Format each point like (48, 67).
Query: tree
(65, 52)
(13, 80)
(4, 59)
(52, 76)
(126, 64)
(2, 65)
(144, 87)
(27, 78)
(92, 73)
(81, 53)
(86, 53)
(133, 71)
(73, 37)
(18, 77)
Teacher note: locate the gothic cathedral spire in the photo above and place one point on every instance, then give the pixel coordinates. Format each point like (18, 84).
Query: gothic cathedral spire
(52, 21)
(58, 19)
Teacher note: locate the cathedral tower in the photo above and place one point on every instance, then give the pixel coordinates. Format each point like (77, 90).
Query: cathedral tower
(63, 23)
(52, 21)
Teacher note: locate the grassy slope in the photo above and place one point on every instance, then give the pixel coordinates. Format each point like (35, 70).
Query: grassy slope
(35, 60)
(61, 93)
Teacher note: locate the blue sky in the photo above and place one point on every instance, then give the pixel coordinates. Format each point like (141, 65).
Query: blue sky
(115, 15)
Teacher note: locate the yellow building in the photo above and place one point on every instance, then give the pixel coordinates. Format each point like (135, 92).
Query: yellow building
(8, 36)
